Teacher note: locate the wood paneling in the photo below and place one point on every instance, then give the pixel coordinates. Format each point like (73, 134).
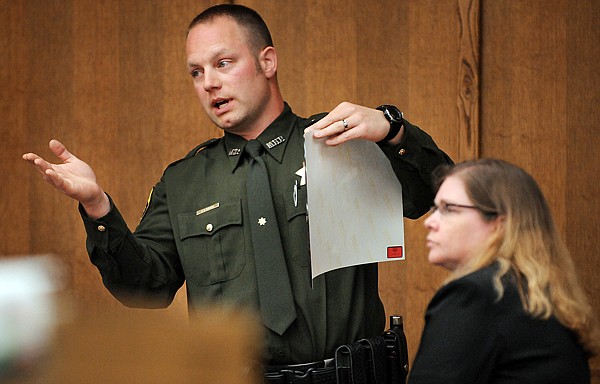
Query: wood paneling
(540, 92)
(431, 78)
(15, 186)
(468, 80)
(108, 78)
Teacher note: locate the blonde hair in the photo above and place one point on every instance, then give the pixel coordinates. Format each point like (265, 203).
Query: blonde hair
(527, 243)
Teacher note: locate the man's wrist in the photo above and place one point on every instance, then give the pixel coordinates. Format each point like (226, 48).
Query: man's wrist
(396, 119)
(97, 209)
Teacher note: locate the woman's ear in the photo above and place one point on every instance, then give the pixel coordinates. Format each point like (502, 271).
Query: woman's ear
(268, 61)
(499, 222)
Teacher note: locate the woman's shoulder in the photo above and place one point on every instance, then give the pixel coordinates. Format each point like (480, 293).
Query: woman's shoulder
(481, 280)
(473, 290)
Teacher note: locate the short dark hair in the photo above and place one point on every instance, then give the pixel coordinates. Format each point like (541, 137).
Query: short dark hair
(257, 31)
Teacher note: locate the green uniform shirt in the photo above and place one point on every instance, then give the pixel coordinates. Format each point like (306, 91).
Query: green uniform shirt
(195, 230)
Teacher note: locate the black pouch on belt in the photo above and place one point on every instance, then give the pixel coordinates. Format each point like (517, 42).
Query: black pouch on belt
(349, 364)
(375, 360)
(396, 351)
(362, 362)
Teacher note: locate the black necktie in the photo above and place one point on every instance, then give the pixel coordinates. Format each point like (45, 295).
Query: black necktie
(274, 289)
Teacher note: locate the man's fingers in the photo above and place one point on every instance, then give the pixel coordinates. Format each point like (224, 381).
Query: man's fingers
(48, 177)
(57, 148)
(30, 157)
(52, 177)
(60, 150)
(324, 122)
(336, 115)
(42, 164)
(333, 123)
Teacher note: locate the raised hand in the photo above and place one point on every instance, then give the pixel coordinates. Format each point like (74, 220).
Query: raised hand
(349, 121)
(73, 177)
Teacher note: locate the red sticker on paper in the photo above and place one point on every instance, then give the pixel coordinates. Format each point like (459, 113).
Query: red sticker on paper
(394, 252)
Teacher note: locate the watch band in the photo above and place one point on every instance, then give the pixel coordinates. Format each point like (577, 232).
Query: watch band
(395, 118)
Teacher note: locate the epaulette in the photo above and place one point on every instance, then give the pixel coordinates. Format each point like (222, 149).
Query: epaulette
(201, 147)
(198, 149)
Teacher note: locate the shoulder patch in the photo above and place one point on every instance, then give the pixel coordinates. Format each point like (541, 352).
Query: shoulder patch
(147, 205)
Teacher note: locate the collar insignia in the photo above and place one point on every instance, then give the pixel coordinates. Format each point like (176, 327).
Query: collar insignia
(275, 142)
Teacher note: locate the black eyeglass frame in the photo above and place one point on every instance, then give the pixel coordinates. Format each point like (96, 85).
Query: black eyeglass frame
(443, 209)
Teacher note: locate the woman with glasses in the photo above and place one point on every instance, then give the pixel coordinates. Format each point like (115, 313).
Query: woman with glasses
(512, 310)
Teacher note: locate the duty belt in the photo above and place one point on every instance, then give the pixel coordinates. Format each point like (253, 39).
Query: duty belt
(377, 360)
(320, 372)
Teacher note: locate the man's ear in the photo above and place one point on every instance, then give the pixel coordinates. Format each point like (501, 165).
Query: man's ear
(268, 61)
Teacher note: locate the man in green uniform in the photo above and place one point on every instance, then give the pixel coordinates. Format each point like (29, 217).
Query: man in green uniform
(196, 227)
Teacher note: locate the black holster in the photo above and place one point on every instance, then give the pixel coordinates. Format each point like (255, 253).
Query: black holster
(376, 360)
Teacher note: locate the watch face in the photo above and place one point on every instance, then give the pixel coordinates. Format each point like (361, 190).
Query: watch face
(395, 117)
(395, 114)
(391, 113)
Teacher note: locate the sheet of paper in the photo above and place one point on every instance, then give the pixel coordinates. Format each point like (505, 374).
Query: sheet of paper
(354, 205)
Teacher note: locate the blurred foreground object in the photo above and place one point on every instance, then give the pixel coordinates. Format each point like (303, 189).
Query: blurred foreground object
(28, 311)
(151, 346)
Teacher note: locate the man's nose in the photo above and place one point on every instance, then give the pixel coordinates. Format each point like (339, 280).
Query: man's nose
(211, 80)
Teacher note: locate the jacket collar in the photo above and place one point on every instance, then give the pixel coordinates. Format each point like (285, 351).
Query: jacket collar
(274, 139)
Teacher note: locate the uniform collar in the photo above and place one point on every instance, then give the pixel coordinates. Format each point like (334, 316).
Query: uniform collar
(274, 139)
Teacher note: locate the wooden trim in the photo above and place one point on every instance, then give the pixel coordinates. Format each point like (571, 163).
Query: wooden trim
(468, 79)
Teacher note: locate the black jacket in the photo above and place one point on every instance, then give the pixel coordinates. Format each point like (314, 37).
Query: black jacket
(470, 337)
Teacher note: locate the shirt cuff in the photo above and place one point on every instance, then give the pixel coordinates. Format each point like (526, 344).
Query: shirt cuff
(408, 151)
(104, 231)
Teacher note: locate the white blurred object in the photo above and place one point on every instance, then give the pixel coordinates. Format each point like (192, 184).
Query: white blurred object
(28, 309)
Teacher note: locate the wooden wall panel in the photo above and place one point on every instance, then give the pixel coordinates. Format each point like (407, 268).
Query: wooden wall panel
(14, 190)
(433, 70)
(109, 79)
(50, 109)
(582, 130)
(582, 140)
(468, 85)
(92, 131)
(541, 91)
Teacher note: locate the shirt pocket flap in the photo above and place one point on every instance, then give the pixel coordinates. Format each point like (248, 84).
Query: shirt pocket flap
(209, 222)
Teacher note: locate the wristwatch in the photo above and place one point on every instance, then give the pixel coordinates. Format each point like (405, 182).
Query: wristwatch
(396, 119)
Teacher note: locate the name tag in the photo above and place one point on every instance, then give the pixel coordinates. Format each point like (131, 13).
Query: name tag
(209, 208)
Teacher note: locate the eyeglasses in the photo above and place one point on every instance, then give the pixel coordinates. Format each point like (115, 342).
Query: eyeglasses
(448, 208)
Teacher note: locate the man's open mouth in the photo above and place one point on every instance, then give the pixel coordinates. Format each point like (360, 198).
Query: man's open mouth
(219, 103)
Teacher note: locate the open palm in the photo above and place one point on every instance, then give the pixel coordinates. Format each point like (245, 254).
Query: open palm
(73, 177)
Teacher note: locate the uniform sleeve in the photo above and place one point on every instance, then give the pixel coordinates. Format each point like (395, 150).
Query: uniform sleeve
(141, 269)
(413, 162)
(459, 343)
